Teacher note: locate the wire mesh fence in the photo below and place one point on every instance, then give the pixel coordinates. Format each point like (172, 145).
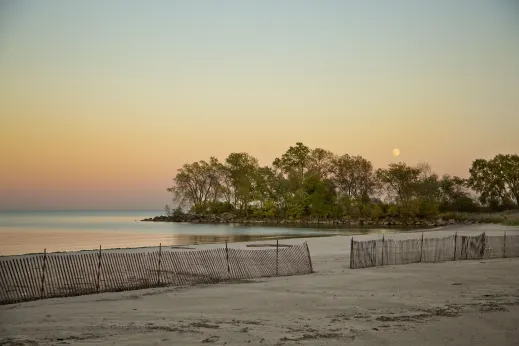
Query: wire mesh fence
(60, 275)
(371, 253)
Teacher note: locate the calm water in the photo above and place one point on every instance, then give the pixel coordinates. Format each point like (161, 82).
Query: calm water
(33, 231)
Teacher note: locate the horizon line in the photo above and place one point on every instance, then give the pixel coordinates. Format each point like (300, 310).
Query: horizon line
(13, 210)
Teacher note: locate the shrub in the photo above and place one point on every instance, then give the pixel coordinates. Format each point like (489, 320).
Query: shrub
(377, 212)
(392, 210)
(463, 204)
(428, 209)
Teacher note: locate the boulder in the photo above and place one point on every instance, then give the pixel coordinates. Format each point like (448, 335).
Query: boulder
(227, 217)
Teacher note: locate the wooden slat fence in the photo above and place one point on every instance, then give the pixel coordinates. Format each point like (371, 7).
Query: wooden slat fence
(371, 253)
(61, 275)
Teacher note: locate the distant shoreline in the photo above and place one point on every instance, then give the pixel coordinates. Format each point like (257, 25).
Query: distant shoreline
(510, 218)
(362, 222)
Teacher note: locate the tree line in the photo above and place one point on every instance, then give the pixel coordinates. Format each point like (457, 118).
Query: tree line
(318, 184)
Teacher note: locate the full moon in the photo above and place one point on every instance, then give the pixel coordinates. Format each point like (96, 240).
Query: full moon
(396, 152)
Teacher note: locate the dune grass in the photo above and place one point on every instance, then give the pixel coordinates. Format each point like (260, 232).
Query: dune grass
(510, 218)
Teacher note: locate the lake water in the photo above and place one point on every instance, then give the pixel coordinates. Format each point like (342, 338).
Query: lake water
(24, 232)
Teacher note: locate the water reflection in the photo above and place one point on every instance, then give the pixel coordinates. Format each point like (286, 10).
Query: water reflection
(22, 241)
(31, 232)
(29, 241)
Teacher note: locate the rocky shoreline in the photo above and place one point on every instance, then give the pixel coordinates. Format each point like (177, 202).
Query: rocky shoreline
(228, 218)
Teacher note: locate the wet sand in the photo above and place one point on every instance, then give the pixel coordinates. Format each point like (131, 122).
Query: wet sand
(450, 303)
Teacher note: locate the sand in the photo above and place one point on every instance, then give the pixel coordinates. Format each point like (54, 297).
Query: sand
(451, 303)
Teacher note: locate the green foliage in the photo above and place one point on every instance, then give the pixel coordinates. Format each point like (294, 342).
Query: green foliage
(353, 176)
(377, 212)
(321, 163)
(320, 196)
(409, 209)
(297, 205)
(392, 210)
(399, 181)
(461, 204)
(511, 219)
(242, 170)
(428, 208)
(315, 184)
(220, 207)
(366, 210)
(199, 208)
(269, 209)
(294, 163)
(177, 213)
(496, 180)
(197, 183)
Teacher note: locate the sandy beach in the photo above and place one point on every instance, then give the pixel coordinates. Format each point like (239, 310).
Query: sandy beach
(450, 303)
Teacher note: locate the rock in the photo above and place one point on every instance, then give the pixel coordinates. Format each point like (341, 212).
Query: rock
(440, 222)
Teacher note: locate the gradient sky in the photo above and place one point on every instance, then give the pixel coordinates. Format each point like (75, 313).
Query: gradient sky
(101, 101)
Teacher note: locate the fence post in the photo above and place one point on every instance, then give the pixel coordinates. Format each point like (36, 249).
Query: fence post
(309, 257)
(351, 254)
(227, 256)
(504, 245)
(383, 245)
(455, 244)
(99, 270)
(160, 263)
(277, 257)
(44, 267)
(421, 249)
(374, 253)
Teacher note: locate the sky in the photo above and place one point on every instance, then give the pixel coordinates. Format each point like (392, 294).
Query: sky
(102, 101)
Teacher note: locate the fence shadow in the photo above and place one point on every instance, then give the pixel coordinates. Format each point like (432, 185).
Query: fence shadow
(60, 275)
(371, 253)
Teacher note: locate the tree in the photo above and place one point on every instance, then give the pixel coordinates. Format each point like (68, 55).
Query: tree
(425, 170)
(454, 195)
(428, 185)
(452, 188)
(242, 169)
(320, 196)
(197, 183)
(496, 179)
(316, 183)
(296, 204)
(399, 181)
(354, 177)
(265, 185)
(321, 162)
(294, 162)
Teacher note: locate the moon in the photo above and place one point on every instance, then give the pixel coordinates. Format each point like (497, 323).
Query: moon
(396, 152)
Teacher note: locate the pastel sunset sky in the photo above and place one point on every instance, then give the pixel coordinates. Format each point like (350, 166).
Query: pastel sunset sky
(102, 101)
